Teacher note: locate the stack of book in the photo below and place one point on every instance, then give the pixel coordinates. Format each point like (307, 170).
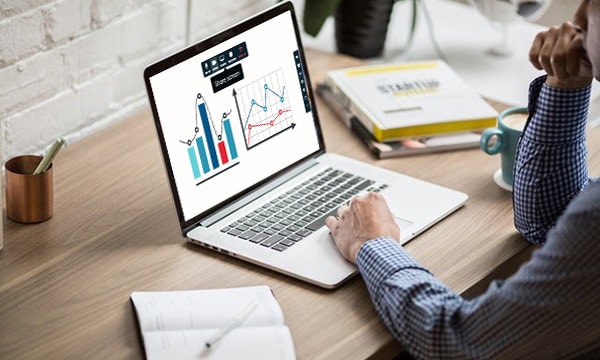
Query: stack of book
(408, 108)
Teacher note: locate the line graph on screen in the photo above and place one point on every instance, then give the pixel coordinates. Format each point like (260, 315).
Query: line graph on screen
(264, 108)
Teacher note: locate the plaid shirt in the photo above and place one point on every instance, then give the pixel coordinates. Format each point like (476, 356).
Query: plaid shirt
(551, 307)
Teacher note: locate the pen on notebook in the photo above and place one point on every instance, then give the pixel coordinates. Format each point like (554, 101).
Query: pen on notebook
(233, 324)
(49, 157)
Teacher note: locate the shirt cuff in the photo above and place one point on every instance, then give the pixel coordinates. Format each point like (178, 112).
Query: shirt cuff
(380, 258)
(557, 115)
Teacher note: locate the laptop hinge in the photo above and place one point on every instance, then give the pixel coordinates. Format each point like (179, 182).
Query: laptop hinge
(261, 191)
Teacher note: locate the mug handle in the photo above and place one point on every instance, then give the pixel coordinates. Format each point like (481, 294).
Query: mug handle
(485, 140)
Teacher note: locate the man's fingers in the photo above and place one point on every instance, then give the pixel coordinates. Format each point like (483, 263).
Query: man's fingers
(342, 210)
(331, 222)
(566, 55)
(534, 52)
(578, 64)
(559, 51)
(545, 54)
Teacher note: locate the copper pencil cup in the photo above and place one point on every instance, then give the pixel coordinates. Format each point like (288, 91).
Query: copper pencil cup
(29, 198)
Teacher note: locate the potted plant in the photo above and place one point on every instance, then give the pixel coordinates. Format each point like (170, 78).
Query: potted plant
(360, 25)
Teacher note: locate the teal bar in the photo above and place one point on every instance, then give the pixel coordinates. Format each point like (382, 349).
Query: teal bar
(194, 162)
(203, 156)
(230, 140)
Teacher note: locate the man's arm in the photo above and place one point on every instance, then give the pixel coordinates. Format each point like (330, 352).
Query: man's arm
(546, 310)
(550, 168)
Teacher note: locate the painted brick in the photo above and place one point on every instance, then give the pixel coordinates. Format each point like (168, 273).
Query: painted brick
(21, 35)
(92, 54)
(29, 131)
(128, 81)
(94, 97)
(69, 18)
(67, 112)
(170, 30)
(10, 8)
(138, 33)
(104, 11)
(27, 82)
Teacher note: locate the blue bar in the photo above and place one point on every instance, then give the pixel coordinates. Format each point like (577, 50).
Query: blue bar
(194, 162)
(202, 153)
(230, 141)
(209, 138)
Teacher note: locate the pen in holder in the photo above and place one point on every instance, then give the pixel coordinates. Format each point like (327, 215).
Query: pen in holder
(29, 197)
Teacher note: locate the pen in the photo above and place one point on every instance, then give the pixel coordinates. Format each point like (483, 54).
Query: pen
(234, 323)
(50, 155)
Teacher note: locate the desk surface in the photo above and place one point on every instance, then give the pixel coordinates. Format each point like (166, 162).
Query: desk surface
(65, 283)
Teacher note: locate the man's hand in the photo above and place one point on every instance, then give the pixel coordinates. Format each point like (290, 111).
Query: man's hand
(560, 52)
(366, 217)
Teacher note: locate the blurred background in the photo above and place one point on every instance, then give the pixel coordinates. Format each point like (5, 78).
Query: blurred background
(70, 67)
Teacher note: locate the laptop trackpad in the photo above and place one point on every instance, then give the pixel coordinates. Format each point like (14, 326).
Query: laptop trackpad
(401, 204)
(402, 223)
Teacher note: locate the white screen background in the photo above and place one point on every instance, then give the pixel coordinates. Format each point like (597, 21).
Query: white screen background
(270, 49)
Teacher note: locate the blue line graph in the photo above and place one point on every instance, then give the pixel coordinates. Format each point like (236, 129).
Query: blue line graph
(264, 108)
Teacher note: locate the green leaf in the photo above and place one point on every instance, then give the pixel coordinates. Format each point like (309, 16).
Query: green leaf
(315, 14)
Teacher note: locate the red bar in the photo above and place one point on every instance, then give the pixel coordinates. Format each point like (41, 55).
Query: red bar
(223, 153)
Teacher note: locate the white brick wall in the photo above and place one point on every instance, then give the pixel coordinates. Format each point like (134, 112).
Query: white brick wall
(68, 67)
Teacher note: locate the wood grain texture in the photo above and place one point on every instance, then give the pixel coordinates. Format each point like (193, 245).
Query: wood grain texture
(65, 283)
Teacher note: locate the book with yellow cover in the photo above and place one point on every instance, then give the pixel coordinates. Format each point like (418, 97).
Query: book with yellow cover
(413, 99)
(401, 147)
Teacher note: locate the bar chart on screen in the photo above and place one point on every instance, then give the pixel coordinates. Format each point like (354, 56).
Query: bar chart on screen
(211, 149)
(263, 108)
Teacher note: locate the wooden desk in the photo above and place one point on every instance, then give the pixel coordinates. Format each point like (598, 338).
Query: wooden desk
(65, 283)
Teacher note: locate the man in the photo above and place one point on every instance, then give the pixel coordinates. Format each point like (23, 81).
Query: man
(551, 307)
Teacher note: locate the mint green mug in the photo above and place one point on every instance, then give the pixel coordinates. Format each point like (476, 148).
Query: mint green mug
(503, 140)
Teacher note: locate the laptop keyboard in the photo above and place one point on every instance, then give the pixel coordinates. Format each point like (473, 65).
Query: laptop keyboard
(294, 215)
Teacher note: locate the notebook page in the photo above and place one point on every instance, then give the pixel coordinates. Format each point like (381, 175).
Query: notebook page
(263, 343)
(204, 309)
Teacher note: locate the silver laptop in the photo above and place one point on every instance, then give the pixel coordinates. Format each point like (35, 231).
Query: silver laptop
(245, 156)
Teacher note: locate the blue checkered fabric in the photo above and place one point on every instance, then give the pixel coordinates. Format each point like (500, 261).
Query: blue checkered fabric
(551, 162)
(549, 308)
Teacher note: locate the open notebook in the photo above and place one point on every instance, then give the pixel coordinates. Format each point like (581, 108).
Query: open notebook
(178, 324)
(245, 156)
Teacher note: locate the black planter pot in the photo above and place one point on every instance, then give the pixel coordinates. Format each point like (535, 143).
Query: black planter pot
(361, 27)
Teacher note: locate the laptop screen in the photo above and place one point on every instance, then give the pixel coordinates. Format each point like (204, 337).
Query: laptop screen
(233, 111)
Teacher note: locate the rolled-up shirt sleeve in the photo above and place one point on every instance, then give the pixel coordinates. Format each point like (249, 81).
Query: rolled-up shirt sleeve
(550, 168)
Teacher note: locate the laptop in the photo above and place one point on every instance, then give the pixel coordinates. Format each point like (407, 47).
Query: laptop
(244, 152)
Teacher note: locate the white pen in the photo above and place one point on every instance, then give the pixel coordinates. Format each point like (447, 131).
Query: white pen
(49, 157)
(234, 323)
